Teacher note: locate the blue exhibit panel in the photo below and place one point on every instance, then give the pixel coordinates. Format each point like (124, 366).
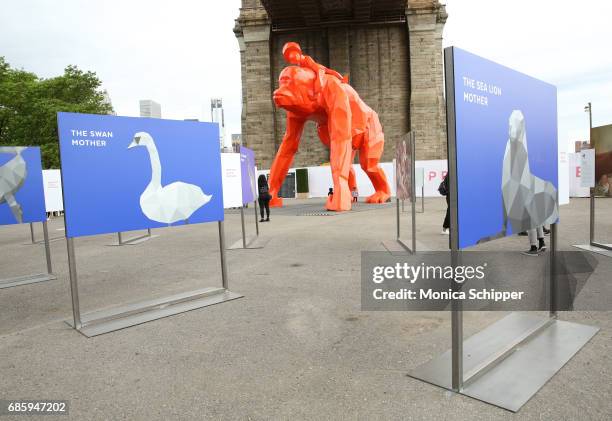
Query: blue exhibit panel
(22, 197)
(247, 169)
(486, 96)
(131, 173)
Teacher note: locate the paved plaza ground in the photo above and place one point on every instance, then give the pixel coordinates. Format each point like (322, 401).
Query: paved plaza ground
(297, 346)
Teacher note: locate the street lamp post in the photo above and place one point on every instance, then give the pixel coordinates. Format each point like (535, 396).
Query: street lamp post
(587, 109)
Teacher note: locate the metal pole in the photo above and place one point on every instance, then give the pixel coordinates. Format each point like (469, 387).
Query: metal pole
(592, 217)
(456, 333)
(242, 222)
(224, 280)
(422, 199)
(120, 239)
(74, 290)
(149, 232)
(553, 270)
(590, 121)
(256, 219)
(413, 193)
(47, 247)
(397, 217)
(32, 232)
(456, 306)
(592, 190)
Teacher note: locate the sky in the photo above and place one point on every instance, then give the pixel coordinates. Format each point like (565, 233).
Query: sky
(181, 53)
(569, 47)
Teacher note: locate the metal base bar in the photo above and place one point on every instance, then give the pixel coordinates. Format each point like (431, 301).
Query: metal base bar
(397, 245)
(251, 243)
(601, 246)
(35, 241)
(509, 361)
(401, 247)
(134, 241)
(606, 251)
(51, 240)
(105, 321)
(27, 279)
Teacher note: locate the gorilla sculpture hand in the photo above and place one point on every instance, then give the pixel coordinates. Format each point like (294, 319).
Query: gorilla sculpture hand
(345, 125)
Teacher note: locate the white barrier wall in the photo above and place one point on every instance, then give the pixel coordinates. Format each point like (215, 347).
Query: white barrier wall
(52, 183)
(320, 179)
(231, 179)
(434, 170)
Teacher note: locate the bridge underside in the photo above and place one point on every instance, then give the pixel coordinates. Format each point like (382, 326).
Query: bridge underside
(391, 50)
(291, 15)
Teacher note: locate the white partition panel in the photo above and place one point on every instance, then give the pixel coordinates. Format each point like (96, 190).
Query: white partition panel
(231, 179)
(52, 183)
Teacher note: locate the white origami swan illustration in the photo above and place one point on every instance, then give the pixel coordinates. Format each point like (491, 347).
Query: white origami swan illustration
(172, 203)
(12, 177)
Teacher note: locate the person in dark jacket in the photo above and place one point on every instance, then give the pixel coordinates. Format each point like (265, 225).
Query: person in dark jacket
(264, 197)
(444, 191)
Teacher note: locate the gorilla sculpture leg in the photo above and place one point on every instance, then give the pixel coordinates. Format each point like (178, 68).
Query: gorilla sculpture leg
(369, 158)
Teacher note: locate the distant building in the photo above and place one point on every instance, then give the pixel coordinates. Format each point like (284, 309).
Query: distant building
(150, 108)
(236, 141)
(217, 116)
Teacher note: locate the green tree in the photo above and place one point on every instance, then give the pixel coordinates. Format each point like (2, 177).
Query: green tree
(29, 106)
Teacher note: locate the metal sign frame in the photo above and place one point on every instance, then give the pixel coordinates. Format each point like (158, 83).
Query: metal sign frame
(509, 361)
(592, 242)
(251, 242)
(594, 246)
(35, 241)
(104, 321)
(422, 195)
(134, 240)
(392, 245)
(39, 277)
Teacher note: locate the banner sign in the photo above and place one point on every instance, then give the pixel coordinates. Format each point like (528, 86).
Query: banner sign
(132, 173)
(232, 181)
(52, 183)
(22, 198)
(249, 178)
(403, 168)
(505, 136)
(575, 177)
(587, 168)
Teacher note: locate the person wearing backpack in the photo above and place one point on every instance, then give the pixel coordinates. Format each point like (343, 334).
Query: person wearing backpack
(264, 198)
(444, 191)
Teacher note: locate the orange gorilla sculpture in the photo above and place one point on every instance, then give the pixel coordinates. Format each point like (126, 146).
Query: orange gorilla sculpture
(345, 124)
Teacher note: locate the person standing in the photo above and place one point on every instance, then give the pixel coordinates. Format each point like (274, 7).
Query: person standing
(264, 198)
(536, 241)
(444, 191)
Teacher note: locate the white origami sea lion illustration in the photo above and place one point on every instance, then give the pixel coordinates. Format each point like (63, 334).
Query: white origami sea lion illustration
(529, 201)
(12, 177)
(172, 203)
